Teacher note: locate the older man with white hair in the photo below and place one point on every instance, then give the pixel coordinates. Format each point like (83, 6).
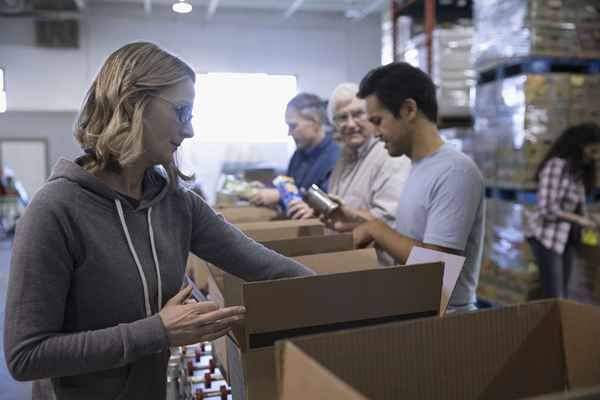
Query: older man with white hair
(366, 181)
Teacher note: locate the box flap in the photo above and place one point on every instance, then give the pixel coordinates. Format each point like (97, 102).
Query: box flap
(311, 245)
(506, 353)
(259, 371)
(248, 214)
(453, 264)
(198, 269)
(263, 235)
(304, 378)
(592, 393)
(299, 306)
(581, 338)
(217, 275)
(341, 261)
(292, 223)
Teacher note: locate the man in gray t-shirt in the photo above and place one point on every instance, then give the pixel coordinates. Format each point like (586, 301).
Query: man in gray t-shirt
(442, 205)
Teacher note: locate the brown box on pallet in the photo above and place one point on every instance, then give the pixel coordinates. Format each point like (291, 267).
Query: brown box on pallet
(286, 229)
(543, 348)
(342, 295)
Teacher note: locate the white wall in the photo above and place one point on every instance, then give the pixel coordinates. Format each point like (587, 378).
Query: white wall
(321, 49)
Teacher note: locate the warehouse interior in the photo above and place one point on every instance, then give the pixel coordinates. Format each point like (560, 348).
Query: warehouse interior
(512, 81)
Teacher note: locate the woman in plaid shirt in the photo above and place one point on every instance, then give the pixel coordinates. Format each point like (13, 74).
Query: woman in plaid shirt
(565, 176)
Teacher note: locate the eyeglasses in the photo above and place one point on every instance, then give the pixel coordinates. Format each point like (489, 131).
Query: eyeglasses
(344, 118)
(183, 111)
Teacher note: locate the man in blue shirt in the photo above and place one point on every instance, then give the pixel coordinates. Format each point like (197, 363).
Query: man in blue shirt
(315, 156)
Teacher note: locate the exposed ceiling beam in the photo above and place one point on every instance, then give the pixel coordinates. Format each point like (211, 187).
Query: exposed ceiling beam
(212, 8)
(373, 6)
(148, 6)
(293, 8)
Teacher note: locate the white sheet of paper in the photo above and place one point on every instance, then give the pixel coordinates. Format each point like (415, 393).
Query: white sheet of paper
(453, 264)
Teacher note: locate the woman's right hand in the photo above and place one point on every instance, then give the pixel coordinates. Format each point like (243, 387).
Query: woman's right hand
(196, 322)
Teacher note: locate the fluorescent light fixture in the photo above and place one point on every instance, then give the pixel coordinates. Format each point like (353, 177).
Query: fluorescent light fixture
(1, 79)
(2, 101)
(182, 7)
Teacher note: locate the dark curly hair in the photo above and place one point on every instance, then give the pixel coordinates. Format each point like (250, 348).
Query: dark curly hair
(569, 146)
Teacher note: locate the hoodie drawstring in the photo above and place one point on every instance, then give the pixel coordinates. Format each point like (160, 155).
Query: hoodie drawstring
(137, 260)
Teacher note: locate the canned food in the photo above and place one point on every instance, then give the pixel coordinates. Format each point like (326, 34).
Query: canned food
(320, 201)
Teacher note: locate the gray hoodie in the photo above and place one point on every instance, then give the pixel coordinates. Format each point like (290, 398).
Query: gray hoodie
(89, 274)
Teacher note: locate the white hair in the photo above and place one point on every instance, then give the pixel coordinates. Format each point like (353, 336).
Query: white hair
(343, 93)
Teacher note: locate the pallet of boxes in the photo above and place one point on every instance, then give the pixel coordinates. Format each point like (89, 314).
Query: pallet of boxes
(349, 291)
(538, 65)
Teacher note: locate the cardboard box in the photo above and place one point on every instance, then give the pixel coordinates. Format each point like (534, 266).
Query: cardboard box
(288, 229)
(352, 260)
(341, 261)
(336, 299)
(197, 268)
(248, 214)
(311, 244)
(515, 352)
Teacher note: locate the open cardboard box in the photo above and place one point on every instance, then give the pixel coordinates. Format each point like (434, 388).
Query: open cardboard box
(237, 215)
(290, 229)
(307, 245)
(351, 260)
(536, 349)
(343, 295)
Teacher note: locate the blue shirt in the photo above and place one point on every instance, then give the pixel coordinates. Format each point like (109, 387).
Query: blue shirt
(443, 205)
(314, 165)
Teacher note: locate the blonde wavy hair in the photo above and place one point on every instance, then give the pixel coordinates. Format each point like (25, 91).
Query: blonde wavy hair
(110, 126)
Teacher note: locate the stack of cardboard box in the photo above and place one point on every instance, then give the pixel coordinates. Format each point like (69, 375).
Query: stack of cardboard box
(517, 119)
(452, 66)
(509, 274)
(548, 28)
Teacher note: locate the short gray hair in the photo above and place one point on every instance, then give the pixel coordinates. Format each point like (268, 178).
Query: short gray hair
(343, 93)
(310, 106)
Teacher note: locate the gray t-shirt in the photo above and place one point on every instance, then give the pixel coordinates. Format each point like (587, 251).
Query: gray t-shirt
(443, 205)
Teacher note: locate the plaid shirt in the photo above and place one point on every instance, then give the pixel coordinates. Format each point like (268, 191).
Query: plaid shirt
(557, 191)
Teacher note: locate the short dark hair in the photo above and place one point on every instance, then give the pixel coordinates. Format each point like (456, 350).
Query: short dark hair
(394, 83)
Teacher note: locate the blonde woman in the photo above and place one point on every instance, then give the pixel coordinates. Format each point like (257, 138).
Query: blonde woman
(94, 297)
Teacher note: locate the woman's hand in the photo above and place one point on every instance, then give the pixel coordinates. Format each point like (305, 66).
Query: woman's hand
(196, 322)
(264, 197)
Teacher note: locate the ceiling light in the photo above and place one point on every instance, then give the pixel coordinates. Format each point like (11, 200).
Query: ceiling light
(182, 7)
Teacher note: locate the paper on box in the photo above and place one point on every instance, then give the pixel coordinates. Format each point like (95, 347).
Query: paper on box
(453, 265)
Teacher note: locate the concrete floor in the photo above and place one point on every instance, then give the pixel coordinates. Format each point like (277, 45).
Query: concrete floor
(9, 388)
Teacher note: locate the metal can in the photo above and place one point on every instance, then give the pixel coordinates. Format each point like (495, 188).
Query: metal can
(319, 201)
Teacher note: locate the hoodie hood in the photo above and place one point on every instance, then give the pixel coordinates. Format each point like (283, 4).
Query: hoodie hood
(155, 186)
